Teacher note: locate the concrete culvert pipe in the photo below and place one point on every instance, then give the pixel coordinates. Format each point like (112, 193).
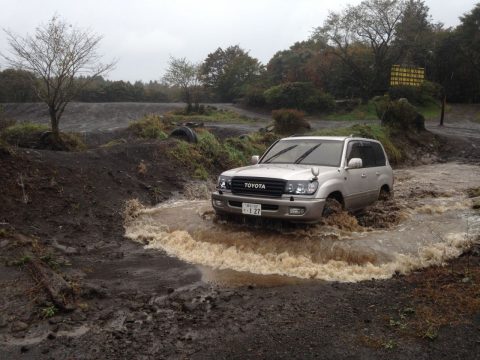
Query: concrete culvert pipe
(184, 133)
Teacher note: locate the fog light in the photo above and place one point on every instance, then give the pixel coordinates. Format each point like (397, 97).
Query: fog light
(218, 202)
(296, 211)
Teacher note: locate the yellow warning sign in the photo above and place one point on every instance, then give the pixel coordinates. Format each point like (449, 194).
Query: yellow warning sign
(406, 76)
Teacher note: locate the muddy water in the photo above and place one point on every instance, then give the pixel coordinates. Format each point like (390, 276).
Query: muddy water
(430, 221)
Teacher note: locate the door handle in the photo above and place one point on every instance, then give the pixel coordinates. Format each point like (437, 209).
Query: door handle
(364, 175)
(377, 173)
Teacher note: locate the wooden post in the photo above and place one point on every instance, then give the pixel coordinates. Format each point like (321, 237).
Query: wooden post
(442, 114)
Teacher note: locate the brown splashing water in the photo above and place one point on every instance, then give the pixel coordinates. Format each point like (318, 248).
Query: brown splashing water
(425, 231)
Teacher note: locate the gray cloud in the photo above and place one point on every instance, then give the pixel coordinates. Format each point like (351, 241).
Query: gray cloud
(142, 34)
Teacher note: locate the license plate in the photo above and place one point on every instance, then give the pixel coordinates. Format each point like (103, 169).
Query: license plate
(251, 209)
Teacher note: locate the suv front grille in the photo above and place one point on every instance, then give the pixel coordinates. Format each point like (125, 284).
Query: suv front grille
(258, 186)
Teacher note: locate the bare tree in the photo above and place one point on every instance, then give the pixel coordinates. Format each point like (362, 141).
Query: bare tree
(372, 25)
(185, 75)
(56, 55)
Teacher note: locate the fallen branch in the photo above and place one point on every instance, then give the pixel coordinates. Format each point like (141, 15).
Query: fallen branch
(59, 290)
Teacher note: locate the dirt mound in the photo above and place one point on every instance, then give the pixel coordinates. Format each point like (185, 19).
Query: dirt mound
(84, 191)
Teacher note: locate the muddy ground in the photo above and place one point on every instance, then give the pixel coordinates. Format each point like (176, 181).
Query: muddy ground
(65, 213)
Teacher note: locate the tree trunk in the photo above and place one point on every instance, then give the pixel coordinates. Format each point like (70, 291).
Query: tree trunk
(188, 100)
(56, 139)
(54, 122)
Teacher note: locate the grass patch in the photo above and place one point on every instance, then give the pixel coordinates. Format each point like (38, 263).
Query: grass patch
(29, 135)
(23, 134)
(430, 111)
(114, 143)
(73, 141)
(441, 296)
(361, 112)
(24, 260)
(49, 311)
(377, 132)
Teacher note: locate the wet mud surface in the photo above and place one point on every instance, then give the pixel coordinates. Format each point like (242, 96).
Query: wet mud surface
(172, 282)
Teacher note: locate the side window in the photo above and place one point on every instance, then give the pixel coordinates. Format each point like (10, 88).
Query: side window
(379, 155)
(371, 153)
(368, 155)
(353, 150)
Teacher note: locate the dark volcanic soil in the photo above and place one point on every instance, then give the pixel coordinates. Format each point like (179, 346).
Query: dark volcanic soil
(66, 211)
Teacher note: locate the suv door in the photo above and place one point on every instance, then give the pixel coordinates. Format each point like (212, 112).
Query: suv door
(381, 172)
(358, 182)
(372, 163)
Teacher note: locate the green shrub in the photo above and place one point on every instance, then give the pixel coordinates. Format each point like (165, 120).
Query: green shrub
(399, 114)
(150, 127)
(201, 173)
(425, 94)
(298, 95)
(288, 121)
(210, 155)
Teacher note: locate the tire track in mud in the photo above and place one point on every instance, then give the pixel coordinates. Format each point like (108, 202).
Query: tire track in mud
(409, 233)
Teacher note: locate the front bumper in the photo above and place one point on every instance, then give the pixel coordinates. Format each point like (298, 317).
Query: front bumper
(276, 208)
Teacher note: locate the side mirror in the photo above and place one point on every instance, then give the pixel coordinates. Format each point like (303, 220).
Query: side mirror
(254, 159)
(355, 163)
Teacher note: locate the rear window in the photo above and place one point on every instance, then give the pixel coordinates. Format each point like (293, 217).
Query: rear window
(380, 159)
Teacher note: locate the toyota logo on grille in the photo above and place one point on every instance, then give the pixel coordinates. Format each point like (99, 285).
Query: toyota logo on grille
(255, 186)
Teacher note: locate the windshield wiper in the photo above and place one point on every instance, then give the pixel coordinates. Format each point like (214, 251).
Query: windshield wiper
(279, 153)
(305, 154)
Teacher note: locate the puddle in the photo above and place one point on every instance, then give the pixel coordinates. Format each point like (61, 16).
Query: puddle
(424, 231)
(31, 339)
(234, 278)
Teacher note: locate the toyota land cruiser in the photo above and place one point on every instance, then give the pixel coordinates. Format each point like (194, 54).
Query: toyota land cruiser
(301, 179)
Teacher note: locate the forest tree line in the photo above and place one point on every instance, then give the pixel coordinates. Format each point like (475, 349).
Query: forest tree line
(348, 57)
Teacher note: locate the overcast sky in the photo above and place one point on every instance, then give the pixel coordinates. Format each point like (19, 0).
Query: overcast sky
(142, 34)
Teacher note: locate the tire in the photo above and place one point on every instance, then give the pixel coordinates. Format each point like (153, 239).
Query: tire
(184, 133)
(384, 194)
(332, 206)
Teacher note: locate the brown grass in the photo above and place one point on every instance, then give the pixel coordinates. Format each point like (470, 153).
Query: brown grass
(142, 168)
(443, 295)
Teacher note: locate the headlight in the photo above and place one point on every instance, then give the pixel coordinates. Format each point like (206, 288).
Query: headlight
(224, 182)
(301, 187)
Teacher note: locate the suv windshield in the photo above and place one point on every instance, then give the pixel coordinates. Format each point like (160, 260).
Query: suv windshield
(306, 152)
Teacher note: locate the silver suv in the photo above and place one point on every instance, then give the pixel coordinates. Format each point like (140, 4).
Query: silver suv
(304, 178)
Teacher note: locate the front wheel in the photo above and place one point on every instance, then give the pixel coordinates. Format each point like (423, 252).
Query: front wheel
(332, 206)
